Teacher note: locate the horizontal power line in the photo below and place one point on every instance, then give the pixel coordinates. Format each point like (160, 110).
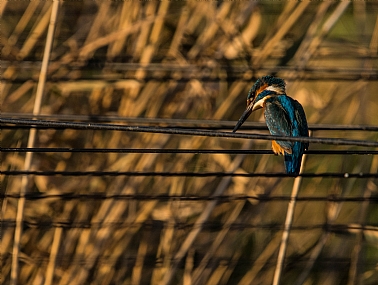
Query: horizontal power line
(181, 123)
(185, 225)
(183, 174)
(151, 260)
(175, 131)
(166, 197)
(177, 151)
(185, 73)
(321, 76)
(236, 68)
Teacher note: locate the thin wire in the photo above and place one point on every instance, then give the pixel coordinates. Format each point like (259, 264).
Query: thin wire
(187, 244)
(183, 174)
(191, 67)
(181, 123)
(153, 261)
(190, 72)
(166, 197)
(161, 130)
(336, 228)
(177, 151)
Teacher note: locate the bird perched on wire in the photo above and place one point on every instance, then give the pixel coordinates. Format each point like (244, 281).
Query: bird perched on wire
(284, 116)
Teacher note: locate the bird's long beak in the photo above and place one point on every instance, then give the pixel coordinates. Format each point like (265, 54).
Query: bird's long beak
(244, 116)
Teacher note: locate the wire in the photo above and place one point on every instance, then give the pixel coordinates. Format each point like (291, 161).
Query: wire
(186, 73)
(177, 151)
(183, 174)
(166, 197)
(184, 225)
(181, 123)
(113, 127)
(167, 66)
(151, 261)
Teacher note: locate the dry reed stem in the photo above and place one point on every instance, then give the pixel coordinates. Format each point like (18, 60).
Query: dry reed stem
(125, 19)
(193, 144)
(196, 143)
(20, 92)
(287, 225)
(374, 39)
(101, 18)
(244, 41)
(288, 9)
(327, 26)
(333, 213)
(354, 269)
(151, 47)
(202, 218)
(114, 212)
(31, 140)
(158, 24)
(179, 33)
(32, 6)
(36, 33)
(189, 264)
(313, 257)
(29, 44)
(261, 261)
(7, 48)
(233, 262)
(87, 49)
(155, 99)
(2, 6)
(136, 275)
(234, 92)
(167, 237)
(286, 12)
(283, 29)
(217, 275)
(212, 28)
(197, 275)
(198, 12)
(145, 162)
(53, 255)
(300, 56)
(142, 39)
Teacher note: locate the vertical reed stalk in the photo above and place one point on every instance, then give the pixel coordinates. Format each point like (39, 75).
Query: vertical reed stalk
(31, 140)
(288, 224)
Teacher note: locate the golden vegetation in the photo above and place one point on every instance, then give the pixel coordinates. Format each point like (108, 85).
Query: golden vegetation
(185, 60)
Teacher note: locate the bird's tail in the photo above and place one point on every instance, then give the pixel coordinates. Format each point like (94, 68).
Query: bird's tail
(293, 161)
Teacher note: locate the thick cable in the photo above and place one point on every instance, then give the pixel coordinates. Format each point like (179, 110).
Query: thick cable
(178, 123)
(172, 131)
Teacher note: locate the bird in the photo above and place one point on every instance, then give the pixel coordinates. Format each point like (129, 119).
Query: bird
(284, 116)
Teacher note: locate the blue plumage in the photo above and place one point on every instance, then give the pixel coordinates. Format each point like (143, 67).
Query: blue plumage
(284, 116)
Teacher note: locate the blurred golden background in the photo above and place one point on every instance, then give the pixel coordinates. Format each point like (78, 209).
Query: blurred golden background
(190, 63)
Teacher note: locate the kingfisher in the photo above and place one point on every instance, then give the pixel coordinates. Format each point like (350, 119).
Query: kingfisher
(284, 116)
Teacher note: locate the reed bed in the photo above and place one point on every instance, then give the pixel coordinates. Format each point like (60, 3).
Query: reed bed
(185, 60)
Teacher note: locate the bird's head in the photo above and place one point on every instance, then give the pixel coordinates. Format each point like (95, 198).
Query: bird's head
(264, 88)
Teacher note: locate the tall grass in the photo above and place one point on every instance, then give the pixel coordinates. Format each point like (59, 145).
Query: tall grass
(187, 60)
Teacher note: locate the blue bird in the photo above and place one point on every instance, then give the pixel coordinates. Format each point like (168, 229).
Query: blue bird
(284, 116)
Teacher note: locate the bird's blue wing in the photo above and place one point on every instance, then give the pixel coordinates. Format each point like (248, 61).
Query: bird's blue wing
(284, 116)
(278, 118)
(302, 122)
